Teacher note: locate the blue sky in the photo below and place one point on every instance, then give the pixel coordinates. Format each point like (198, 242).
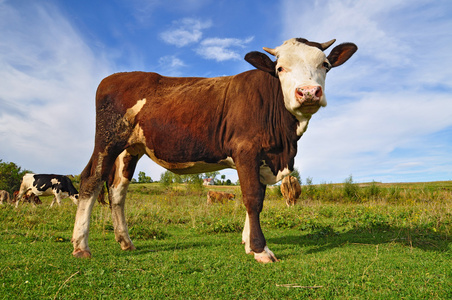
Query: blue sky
(389, 113)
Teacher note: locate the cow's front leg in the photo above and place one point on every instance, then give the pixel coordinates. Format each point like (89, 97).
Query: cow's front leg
(53, 201)
(253, 241)
(253, 192)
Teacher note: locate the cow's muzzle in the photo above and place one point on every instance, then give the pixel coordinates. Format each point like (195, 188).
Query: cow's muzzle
(309, 97)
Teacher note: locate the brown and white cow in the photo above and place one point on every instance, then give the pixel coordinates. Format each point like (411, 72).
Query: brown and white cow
(28, 197)
(4, 197)
(219, 197)
(250, 121)
(290, 189)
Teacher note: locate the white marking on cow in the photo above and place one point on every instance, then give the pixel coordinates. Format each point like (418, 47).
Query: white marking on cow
(117, 192)
(193, 166)
(246, 235)
(302, 125)
(54, 181)
(134, 110)
(301, 65)
(267, 176)
(228, 161)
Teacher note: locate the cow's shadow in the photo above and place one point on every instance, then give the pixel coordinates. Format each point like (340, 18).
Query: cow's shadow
(321, 239)
(325, 238)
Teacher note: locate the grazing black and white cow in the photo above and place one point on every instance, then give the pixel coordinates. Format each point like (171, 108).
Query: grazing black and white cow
(250, 122)
(48, 184)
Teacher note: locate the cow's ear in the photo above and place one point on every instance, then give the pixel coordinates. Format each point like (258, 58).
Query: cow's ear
(341, 54)
(261, 62)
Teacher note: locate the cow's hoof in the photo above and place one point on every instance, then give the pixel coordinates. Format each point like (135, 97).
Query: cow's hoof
(130, 247)
(81, 254)
(265, 256)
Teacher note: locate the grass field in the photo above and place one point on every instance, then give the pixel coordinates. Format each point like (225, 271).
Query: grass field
(347, 241)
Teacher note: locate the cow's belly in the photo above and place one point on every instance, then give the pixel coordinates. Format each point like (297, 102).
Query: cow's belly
(39, 192)
(266, 175)
(138, 147)
(193, 167)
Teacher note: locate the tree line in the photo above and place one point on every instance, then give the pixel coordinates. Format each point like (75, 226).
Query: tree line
(11, 177)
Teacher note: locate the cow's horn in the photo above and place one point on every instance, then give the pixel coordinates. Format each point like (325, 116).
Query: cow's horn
(269, 50)
(327, 44)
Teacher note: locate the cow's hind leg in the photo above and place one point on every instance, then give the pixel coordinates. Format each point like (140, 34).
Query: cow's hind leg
(91, 181)
(118, 183)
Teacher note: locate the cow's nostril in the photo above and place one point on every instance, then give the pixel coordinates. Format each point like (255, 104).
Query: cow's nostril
(318, 92)
(300, 92)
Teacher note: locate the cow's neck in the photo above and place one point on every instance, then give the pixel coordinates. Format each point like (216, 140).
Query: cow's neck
(283, 137)
(303, 122)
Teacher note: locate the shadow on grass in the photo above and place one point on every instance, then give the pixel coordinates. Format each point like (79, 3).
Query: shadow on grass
(326, 237)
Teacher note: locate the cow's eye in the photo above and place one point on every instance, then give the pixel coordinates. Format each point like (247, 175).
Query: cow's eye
(280, 69)
(326, 65)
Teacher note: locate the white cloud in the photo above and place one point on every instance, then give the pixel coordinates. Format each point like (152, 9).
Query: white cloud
(184, 32)
(220, 49)
(387, 104)
(171, 65)
(49, 77)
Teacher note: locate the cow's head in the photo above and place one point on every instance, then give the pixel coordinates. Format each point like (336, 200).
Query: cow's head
(301, 67)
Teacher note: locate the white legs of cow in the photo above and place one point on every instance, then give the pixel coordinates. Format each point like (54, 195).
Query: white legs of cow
(118, 192)
(118, 183)
(117, 198)
(81, 226)
(266, 256)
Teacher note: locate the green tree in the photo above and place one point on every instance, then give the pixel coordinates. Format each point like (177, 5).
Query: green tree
(194, 182)
(142, 178)
(350, 189)
(166, 179)
(211, 174)
(10, 176)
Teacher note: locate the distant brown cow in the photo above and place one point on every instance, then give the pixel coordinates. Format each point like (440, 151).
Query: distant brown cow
(15, 194)
(291, 190)
(4, 197)
(30, 197)
(218, 197)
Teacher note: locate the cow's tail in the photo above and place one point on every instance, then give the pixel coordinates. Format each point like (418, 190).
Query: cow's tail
(101, 197)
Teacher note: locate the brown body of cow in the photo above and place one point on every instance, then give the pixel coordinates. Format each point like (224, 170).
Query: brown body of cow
(250, 121)
(4, 197)
(290, 189)
(219, 197)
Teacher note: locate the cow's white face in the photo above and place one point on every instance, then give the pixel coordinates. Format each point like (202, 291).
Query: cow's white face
(301, 67)
(301, 70)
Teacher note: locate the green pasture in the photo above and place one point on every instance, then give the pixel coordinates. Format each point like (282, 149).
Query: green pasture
(341, 241)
